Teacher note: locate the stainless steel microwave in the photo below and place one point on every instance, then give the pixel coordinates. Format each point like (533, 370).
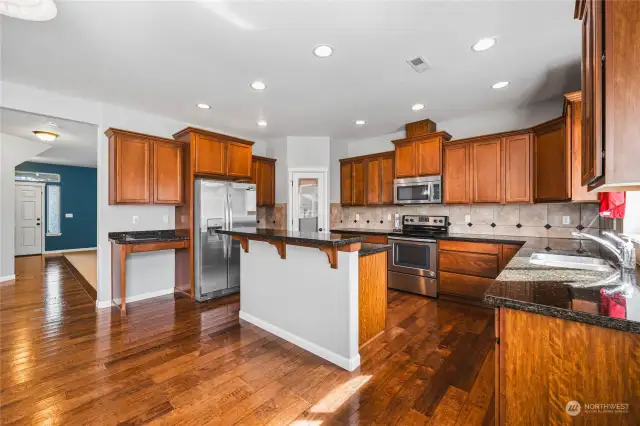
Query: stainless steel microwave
(420, 190)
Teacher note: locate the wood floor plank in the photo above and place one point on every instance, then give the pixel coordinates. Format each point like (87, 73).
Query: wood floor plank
(172, 361)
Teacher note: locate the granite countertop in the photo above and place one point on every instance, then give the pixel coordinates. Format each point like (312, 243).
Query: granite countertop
(368, 248)
(143, 237)
(504, 239)
(569, 294)
(315, 238)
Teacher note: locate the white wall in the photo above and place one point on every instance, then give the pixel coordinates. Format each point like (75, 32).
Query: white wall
(147, 273)
(13, 151)
(278, 150)
(305, 151)
(338, 150)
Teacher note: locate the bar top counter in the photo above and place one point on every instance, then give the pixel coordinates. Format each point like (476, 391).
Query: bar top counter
(331, 239)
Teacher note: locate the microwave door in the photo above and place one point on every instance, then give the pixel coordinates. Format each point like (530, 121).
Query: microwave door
(412, 193)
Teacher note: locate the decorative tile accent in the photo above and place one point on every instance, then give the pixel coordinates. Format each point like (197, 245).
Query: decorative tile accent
(547, 248)
(493, 225)
(448, 223)
(469, 224)
(547, 226)
(518, 226)
(381, 222)
(579, 227)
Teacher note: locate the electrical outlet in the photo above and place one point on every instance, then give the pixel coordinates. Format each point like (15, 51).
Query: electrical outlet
(357, 216)
(467, 218)
(165, 218)
(566, 220)
(136, 219)
(388, 216)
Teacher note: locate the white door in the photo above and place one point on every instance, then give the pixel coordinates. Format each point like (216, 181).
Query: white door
(28, 224)
(309, 208)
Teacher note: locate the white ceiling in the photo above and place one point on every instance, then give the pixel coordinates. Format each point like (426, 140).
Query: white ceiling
(77, 144)
(164, 57)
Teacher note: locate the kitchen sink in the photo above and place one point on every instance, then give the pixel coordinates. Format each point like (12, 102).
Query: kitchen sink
(571, 262)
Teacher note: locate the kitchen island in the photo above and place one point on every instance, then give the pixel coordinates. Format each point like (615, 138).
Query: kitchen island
(324, 292)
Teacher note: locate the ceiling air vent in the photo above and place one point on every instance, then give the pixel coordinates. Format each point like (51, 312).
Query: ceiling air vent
(419, 64)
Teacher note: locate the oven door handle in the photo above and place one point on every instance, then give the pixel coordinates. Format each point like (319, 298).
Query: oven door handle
(411, 239)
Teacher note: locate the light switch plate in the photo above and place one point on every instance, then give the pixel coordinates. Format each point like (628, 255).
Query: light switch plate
(69, 215)
(566, 220)
(357, 216)
(388, 216)
(467, 218)
(136, 219)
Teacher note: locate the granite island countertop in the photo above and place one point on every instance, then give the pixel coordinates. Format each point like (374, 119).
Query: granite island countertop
(367, 249)
(141, 237)
(331, 239)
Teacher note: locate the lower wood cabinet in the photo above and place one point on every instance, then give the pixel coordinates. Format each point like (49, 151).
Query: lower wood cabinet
(551, 162)
(543, 363)
(367, 180)
(263, 174)
(467, 269)
(145, 169)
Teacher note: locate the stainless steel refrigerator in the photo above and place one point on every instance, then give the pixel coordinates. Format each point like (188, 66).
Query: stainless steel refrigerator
(219, 205)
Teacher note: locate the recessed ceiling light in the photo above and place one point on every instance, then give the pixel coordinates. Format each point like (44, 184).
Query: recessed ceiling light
(262, 123)
(51, 124)
(500, 84)
(323, 51)
(417, 107)
(484, 44)
(258, 85)
(361, 122)
(45, 136)
(203, 106)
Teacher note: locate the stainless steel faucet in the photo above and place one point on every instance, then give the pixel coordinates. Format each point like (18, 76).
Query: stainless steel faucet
(625, 250)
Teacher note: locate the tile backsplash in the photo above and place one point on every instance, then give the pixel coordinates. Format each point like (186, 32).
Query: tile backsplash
(272, 217)
(532, 220)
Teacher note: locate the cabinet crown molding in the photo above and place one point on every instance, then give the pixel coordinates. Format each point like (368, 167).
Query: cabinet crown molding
(368, 156)
(442, 134)
(193, 130)
(111, 131)
(257, 157)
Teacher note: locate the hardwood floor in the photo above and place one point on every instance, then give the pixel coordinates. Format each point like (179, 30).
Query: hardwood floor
(171, 361)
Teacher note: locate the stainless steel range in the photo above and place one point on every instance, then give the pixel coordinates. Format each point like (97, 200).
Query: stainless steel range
(413, 263)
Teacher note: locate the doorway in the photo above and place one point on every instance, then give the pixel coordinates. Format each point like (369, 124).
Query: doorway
(308, 207)
(29, 202)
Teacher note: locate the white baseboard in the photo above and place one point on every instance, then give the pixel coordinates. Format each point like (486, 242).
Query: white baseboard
(7, 278)
(107, 303)
(348, 364)
(69, 250)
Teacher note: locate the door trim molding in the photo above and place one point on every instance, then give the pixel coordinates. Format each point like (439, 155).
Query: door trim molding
(43, 222)
(327, 213)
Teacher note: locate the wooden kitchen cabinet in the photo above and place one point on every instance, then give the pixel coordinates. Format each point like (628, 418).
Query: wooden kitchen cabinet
(419, 155)
(144, 169)
(573, 133)
(367, 180)
(551, 162)
(215, 154)
(264, 176)
(457, 174)
(517, 168)
(610, 93)
(486, 174)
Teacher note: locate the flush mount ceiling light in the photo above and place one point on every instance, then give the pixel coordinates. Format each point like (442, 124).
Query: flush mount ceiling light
(417, 107)
(258, 85)
(45, 136)
(323, 51)
(484, 44)
(360, 122)
(30, 10)
(262, 123)
(500, 84)
(203, 106)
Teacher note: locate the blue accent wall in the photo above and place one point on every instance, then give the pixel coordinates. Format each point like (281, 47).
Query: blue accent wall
(78, 195)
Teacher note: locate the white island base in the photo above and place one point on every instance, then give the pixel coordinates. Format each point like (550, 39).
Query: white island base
(302, 299)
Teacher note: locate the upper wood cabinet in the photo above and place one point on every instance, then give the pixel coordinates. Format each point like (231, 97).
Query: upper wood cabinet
(216, 154)
(263, 174)
(517, 168)
(367, 180)
(551, 162)
(486, 179)
(610, 93)
(457, 173)
(573, 133)
(144, 169)
(419, 155)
